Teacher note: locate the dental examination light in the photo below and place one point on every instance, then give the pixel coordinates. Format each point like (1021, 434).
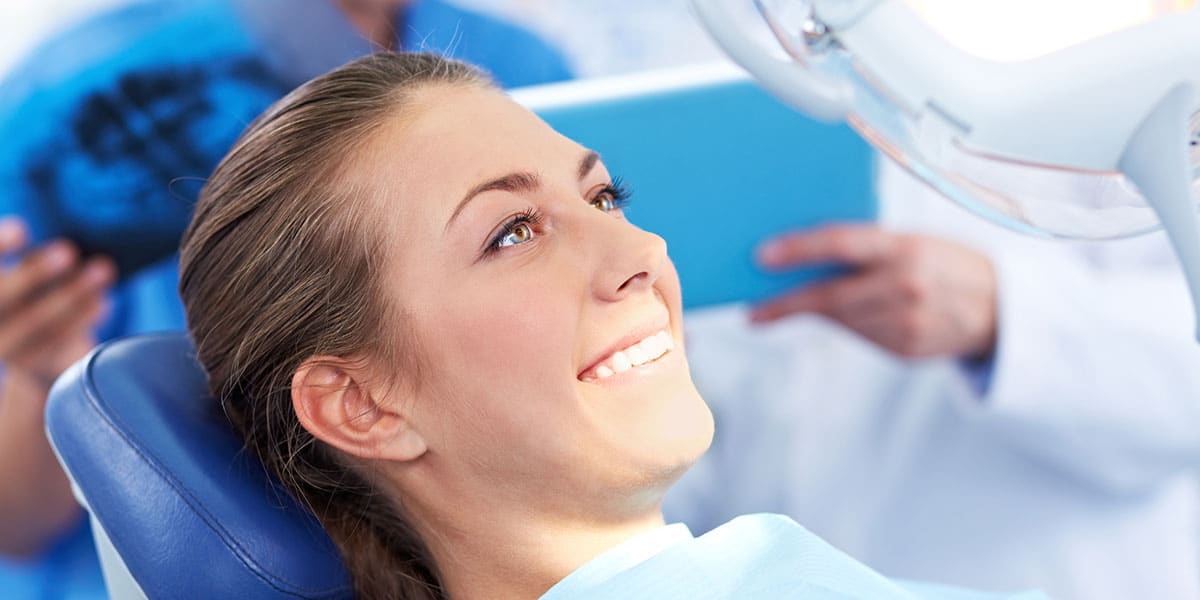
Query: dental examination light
(1092, 140)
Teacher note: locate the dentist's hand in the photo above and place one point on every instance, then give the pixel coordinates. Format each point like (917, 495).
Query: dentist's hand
(915, 295)
(49, 303)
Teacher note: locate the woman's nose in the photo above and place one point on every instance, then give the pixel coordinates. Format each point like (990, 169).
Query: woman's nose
(631, 260)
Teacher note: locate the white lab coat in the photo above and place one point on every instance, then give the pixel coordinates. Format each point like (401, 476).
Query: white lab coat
(1074, 470)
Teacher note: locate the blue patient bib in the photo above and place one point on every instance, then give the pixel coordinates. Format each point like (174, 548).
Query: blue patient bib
(754, 557)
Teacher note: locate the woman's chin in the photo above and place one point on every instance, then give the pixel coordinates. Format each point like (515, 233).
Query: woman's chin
(656, 422)
(679, 437)
(702, 428)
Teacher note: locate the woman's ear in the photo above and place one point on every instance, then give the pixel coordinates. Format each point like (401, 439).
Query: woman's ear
(334, 403)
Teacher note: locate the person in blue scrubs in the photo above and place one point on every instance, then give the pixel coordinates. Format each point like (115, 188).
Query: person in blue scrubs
(108, 130)
(471, 367)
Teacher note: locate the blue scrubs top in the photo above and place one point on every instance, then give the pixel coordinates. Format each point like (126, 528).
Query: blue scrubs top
(110, 128)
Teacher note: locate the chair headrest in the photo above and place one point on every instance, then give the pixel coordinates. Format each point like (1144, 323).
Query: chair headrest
(190, 512)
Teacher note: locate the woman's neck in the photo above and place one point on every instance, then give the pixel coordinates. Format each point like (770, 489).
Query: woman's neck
(528, 561)
(498, 551)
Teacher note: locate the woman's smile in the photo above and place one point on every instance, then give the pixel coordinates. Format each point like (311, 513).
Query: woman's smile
(643, 346)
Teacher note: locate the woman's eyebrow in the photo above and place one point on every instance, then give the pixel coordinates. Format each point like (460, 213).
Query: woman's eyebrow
(589, 160)
(518, 182)
(513, 182)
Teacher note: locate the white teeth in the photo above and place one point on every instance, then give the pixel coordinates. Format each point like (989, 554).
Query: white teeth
(653, 346)
(660, 348)
(637, 353)
(645, 351)
(621, 362)
(650, 348)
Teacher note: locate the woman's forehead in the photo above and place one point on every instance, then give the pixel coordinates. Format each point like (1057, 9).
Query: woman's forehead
(449, 138)
(470, 118)
(445, 140)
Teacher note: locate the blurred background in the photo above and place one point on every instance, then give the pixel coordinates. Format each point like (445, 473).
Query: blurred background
(599, 36)
(24, 22)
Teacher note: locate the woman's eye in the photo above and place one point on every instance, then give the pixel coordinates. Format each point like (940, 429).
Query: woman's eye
(519, 229)
(519, 233)
(605, 202)
(612, 197)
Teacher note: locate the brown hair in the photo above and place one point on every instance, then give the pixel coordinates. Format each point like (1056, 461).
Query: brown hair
(280, 264)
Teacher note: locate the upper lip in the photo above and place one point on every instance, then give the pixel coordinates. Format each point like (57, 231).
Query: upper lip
(634, 336)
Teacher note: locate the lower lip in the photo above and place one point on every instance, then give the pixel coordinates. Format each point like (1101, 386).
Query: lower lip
(649, 369)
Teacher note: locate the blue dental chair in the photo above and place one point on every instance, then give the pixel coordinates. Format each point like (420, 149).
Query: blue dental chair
(177, 508)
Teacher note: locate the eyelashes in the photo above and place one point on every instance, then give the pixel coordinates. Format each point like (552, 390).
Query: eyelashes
(526, 225)
(619, 193)
(518, 229)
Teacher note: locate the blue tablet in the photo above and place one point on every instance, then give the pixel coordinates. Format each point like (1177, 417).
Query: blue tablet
(716, 166)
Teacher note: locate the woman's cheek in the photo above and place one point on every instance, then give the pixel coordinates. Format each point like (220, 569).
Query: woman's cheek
(514, 331)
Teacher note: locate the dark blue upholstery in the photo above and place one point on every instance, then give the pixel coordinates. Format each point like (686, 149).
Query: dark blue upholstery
(161, 469)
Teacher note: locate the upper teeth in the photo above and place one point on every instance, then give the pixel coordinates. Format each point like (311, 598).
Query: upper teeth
(638, 354)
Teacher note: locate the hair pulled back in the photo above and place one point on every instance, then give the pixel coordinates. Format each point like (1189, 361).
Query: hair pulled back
(281, 263)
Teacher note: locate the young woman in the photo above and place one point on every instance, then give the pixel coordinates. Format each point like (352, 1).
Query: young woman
(425, 312)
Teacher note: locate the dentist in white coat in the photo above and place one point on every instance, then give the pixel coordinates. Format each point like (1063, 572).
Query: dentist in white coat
(969, 405)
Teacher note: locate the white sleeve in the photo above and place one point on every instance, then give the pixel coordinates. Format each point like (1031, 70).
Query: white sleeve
(1096, 369)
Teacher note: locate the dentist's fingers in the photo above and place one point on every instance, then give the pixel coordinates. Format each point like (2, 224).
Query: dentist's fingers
(49, 302)
(33, 273)
(13, 235)
(899, 330)
(924, 296)
(50, 354)
(53, 312)
(848, 244)
(838, 298)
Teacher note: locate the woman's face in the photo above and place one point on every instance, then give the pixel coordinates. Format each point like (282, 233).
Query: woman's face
(548, 324)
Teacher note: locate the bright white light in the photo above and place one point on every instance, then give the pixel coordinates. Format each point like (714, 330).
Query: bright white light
(1021, 29)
